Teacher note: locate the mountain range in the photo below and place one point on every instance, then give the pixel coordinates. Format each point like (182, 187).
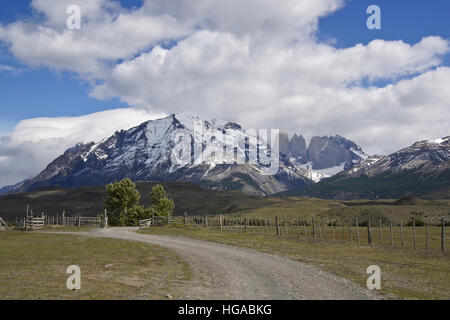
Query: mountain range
(421, 170)
(221, 155)
(146, 153)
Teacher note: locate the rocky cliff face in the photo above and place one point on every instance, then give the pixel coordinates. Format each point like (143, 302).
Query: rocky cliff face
(298, 149)
(327, 152)
(324, 157)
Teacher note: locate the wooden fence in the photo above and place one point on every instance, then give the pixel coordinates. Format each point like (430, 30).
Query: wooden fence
(143, 224)
(77, 220)
(33, 223)
(430, 235)
(160, 221)
(3, 225)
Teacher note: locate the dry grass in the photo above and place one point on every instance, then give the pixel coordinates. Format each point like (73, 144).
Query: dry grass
(33, 266)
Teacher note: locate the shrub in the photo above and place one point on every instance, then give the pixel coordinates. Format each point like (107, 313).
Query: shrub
(122, 203)
(161, 205)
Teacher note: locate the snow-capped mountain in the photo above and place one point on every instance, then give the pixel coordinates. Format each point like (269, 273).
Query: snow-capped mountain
(216, 154)
(422, 170)
(428, 156)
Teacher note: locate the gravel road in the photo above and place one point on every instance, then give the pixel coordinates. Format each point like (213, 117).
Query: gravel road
(229, 272)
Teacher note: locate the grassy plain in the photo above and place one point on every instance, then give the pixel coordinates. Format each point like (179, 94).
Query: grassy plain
(33, 266)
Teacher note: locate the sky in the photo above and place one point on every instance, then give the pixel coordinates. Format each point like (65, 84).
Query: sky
(306, 66)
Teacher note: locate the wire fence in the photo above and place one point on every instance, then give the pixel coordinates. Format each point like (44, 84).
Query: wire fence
(414, 234)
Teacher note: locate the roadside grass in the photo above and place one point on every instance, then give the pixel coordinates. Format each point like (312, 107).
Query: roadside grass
(33, 266)
(59, 228)
(406, 273)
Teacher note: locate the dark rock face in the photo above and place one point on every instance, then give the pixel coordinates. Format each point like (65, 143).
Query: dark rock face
(298, 149)
(284, 143)
(327, 152)
(322, 152)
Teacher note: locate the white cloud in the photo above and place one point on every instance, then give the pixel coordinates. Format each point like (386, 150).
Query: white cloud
(256, 61)
(34, 143)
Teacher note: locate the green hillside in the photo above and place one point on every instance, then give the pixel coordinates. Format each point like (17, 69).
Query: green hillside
(188, 198)
(384, 186)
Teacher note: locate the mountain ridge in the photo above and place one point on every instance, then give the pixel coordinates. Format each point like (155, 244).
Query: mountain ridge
(165, 150)
(422, 169)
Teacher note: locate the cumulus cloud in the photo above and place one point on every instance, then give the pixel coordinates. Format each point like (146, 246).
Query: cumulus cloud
(34, 143)
(257, 62)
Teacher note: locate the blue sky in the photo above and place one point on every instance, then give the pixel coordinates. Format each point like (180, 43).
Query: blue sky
(42, 92)
(260, 67)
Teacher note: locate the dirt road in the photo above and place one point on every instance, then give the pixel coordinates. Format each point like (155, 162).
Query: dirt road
(228, 272)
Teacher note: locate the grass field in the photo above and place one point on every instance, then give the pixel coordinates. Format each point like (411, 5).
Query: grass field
(33, 266)
(343, 210)
(406, 273)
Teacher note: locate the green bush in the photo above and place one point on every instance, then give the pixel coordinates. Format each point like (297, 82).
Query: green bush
(161, 205)
(122, 203)
(419, 222)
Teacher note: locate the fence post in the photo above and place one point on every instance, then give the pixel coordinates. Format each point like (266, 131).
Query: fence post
(64, 218)
(105, 219)
(332, 229)
(350, 230)
(314, 227)
(278, 226)
(285, 226)
(427, 243)
(369, 232)
(392, 235)
(304, 227)
(414, 233)
(79, 220)
(357, 232)
(401, 233)
(320, 231)
(245, 223)
(380, 231)
(443, 235)
(185, 217)
(221, 221)
(206, 221)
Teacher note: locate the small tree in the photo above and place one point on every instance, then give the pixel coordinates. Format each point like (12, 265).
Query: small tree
(122, 203)
(161, 205)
